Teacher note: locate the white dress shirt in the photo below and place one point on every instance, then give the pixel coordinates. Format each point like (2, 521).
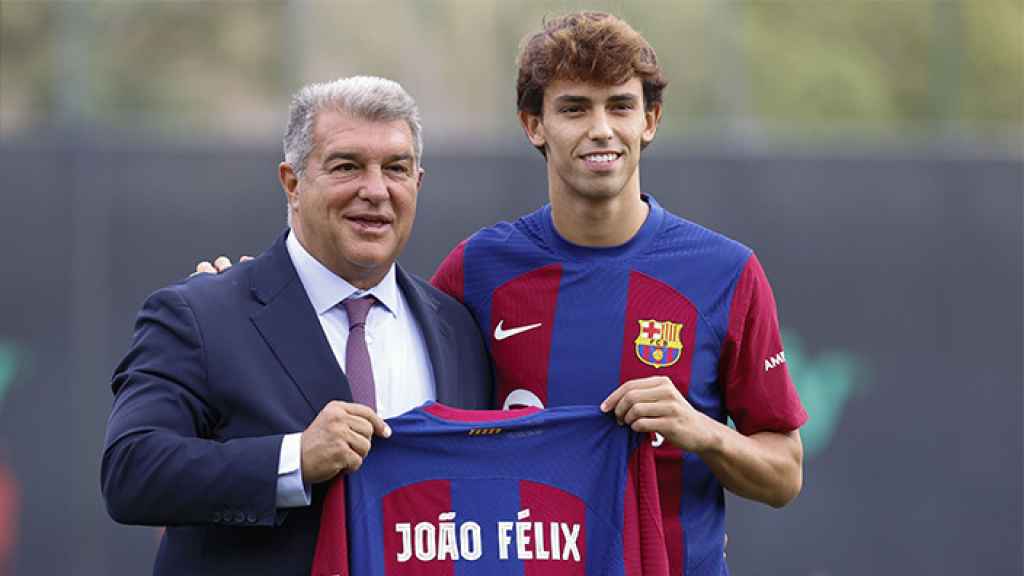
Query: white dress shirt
(402, 375)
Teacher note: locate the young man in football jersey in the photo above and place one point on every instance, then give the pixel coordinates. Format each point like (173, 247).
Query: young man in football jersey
(603, 297)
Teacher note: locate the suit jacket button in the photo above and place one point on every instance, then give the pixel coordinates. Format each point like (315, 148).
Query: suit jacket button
(215, 517)
(250, 519)
(239, 516)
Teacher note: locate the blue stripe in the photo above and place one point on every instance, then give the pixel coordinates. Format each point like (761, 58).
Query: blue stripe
(591, 307)
(486, 502)
(703, 518)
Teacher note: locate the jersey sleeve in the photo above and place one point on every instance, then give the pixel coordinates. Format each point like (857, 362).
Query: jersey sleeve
(759, 394)
(643, 545)
(331, 556)
(449, 276)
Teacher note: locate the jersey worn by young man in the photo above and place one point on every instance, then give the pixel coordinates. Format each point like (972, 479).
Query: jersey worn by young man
(522, 492)
(568, 324)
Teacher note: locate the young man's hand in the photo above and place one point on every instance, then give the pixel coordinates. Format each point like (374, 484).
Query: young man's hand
(219, 265)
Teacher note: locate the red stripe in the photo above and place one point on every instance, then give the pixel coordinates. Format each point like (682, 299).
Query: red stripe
(450, 275)
(670, 492)
(643, 546)
(648, 299)
(420, 502)
(459, 415)
(652, 299)
(331, 556)
(547, 505)
(756, 399)
(521, 360)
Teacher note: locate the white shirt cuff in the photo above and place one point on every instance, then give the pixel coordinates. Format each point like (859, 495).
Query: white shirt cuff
(291, 491)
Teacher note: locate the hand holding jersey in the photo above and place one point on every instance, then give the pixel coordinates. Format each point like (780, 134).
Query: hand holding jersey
(655, 405)
(338, 440)
(764, 466)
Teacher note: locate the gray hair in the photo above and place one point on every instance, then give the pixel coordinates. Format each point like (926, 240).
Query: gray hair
(366, 97)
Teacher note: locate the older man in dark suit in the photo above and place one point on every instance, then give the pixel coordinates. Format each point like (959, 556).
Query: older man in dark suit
(244, 393)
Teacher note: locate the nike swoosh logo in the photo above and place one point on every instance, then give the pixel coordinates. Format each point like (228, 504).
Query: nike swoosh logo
(500, 333)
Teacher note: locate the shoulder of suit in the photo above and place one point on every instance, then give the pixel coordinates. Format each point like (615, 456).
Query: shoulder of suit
(236, 276)
(427, 290)
(213, 289)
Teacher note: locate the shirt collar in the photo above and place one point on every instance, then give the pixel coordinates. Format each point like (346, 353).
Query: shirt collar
(326, 289)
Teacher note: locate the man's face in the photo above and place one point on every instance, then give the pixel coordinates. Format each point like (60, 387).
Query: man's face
(354, 205)
(592, 135)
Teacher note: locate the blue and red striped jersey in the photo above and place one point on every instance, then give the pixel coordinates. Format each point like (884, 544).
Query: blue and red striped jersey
(567, 324)
(524, 492)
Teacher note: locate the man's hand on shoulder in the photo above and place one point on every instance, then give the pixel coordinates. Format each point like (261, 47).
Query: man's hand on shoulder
(338, 440)
(220, 264)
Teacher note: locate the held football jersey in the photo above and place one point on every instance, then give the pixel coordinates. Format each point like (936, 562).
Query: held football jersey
(523, 492)
(567, 324)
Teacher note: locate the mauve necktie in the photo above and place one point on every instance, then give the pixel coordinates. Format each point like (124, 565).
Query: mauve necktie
(357, 358)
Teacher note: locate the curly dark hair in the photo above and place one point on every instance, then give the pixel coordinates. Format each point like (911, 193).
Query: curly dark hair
(585, 46)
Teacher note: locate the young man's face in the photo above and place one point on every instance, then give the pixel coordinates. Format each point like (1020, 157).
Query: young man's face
(592, 135)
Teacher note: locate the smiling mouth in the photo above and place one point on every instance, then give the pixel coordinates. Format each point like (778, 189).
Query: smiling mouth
(369, 223)
(600, 159)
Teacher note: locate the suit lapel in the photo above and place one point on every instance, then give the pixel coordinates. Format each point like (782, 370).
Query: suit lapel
(437, 335)
(288, 324)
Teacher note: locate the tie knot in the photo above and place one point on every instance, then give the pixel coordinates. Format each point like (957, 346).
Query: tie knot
(357, 309)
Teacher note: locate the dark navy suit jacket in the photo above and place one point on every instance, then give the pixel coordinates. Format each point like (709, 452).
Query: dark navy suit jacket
(220, 368)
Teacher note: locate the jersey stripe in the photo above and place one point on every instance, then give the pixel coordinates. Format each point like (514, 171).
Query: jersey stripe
(421, 502)
(486, 503)
(758, 391)
(703, 504)
(450, 274)
(521, 359)
(547, 505)
(590, 304)
(479, 416)
(651, 299)
(670, 493)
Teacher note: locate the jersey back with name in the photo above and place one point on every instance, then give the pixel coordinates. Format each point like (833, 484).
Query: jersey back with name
(522, 492)
(567, 324)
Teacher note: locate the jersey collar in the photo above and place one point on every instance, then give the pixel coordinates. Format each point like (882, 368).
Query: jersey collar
(634, 245)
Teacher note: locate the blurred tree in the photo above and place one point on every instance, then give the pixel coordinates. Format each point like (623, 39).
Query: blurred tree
(27, 44)
(787, 68)
(819, 66)
(182, 66)
(993, 61)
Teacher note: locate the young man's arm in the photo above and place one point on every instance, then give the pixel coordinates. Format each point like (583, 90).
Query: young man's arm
(763, 458)
(764, 466)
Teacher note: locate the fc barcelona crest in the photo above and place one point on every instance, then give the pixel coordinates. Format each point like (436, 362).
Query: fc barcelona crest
(659, 344)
